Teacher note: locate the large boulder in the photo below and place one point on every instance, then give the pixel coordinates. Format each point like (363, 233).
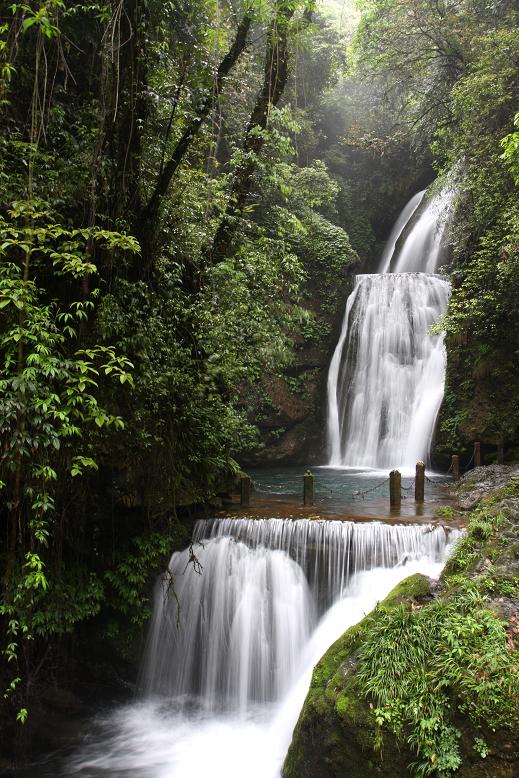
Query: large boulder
(337, 735)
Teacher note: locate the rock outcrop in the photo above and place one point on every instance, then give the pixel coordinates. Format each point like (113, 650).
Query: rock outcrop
(459, 640)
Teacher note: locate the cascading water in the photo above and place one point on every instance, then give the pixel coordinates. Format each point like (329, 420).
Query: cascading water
(400, 225)
(330, 552)
(387, 374)
(421, 250)
(232, 646)
(234, 634)
(386, 380)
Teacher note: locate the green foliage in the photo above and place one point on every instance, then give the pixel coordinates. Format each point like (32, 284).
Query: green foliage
(445, 512)
(422, 666)
(48, 402)
(128, 582)
(455, 649)
(481, 337)
(328, 258)
(510, 146)
(126, 376)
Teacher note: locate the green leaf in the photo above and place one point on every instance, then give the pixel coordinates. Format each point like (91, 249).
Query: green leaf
(28, 22)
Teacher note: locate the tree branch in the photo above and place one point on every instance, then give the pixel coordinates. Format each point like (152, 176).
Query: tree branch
(170, 167)
(276, 72)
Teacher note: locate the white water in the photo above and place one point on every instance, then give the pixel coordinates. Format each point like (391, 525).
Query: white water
(387, 373)
(400, 225)
(330, 552)
(235, 637)
(220, 737)
(421, 251)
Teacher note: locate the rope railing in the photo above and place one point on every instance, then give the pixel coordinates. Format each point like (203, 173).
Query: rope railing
(397, 492)
(467, 466)
(408, 488)
(475, 460)
(360, 494)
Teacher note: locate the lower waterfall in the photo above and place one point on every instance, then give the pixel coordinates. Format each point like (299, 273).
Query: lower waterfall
(239, 622)
(234, 635)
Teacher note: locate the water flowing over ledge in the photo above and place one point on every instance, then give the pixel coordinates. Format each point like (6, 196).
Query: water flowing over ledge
(400, 225)
(422, 248)
(386, 378)
(231, 635)
(232, 644)
(330, 552)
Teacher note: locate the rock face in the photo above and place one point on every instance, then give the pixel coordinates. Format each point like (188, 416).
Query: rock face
(288, 405)
(481, 482)
(336, 734)
(289, 409)
(467, 630)
(290, 428)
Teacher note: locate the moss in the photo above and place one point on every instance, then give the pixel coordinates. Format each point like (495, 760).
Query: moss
(446, 512)
(509, 491)
(337, 731)
(477, 728)
(416, 588)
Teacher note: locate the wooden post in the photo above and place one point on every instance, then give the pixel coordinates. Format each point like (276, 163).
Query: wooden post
(395, 489)
(308, 488)
(245, 484)
(477, 454)
(419, 482)
(455, 467)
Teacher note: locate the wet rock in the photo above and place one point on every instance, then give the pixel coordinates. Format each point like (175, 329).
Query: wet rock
(481, 482)
(336, 734)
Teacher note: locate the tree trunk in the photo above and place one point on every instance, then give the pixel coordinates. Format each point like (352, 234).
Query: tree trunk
(147, 220)
(276, 74)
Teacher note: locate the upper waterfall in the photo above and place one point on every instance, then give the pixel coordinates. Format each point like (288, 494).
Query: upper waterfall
(400, 225)
(421, 250)
(387, 374)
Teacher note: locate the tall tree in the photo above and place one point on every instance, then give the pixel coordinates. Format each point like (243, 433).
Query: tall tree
(146, 227)
(276, 73)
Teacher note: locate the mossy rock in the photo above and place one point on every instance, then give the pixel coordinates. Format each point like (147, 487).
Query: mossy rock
(415, 589)
(336, 734)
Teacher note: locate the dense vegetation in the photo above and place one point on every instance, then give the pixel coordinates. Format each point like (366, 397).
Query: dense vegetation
(160, 241)
(428, 682)
(185, 188)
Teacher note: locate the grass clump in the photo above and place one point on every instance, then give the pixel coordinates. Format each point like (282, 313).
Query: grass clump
(446, 512)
